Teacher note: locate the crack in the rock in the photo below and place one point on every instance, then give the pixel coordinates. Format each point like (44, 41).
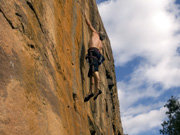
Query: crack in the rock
(10, 23)
(32, 8)
(18, 14)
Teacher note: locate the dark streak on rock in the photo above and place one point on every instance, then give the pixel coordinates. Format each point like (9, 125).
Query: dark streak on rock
(10, 23)
(18, 14)
(32, 8)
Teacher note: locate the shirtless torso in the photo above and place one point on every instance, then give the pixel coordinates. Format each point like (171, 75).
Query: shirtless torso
(96, 42)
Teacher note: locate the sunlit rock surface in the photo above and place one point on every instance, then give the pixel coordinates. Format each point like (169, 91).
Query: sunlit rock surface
(43, 72)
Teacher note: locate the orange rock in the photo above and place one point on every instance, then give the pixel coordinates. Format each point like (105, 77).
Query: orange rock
(43, 72)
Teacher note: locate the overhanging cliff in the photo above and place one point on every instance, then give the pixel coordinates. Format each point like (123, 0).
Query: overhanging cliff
(43, 72)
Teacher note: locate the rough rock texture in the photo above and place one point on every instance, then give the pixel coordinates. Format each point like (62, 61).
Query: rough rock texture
(43, 72)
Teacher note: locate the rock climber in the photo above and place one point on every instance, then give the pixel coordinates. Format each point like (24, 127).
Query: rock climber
(95, 58)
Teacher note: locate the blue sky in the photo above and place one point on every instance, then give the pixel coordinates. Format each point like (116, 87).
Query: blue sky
(145, 38)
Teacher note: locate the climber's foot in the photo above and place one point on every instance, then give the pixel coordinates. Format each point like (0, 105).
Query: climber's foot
(88, 97)
(97, 94)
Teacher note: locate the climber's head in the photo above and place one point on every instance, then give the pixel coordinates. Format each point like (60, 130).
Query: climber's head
(102, 35)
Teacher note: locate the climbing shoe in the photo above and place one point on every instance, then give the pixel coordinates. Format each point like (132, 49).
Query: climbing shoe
(89, 96)
(95, 97)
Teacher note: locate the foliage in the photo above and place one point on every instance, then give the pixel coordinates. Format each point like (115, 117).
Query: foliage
(172, 125)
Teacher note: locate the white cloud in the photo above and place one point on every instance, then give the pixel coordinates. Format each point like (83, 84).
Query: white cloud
(144, 122)
(141, 109)
(146, 29)
(130, 93)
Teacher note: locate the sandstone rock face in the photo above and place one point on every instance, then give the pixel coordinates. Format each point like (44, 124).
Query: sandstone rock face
(43, 72)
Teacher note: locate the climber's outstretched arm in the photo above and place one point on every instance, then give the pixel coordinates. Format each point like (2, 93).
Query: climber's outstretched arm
(89, 24)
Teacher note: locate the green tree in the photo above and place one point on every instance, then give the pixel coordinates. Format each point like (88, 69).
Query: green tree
(172, 125)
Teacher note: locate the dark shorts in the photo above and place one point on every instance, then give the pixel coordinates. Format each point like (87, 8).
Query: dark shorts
(93, 67)
(94, 56)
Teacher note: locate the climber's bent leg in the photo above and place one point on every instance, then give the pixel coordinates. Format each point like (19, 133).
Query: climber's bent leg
(96, 78)
(91, 84)
(97, 90)
(90, 94)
